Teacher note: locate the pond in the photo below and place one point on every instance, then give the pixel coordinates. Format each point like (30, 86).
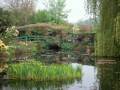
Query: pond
(102, 75)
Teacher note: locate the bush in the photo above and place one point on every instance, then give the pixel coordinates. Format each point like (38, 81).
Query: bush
(67, 46)
(3, 52)
(22, 50)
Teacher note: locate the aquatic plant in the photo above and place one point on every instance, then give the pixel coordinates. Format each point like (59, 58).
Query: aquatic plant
(34, 70)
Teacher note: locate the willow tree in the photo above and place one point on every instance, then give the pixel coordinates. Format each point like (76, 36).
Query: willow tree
(108, 35)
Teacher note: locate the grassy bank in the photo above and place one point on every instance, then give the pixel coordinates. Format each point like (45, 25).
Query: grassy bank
(35, 70)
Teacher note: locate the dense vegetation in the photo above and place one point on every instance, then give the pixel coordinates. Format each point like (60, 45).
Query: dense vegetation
(108, 40)
(21, 12)
(34, 70)
(54, 13)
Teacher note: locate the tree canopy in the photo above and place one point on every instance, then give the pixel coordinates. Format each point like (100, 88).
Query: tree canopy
(21, 10)
(5, 20)
(53, 13)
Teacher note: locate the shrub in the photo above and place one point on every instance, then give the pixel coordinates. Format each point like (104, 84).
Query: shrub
(3, 51)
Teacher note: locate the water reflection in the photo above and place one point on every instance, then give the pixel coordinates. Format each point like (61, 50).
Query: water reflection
(86, 83)
(109, 75)
(89, 79)
(102, 75)
(32, 85)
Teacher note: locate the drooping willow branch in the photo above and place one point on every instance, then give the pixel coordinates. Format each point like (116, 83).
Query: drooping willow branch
(108, 12)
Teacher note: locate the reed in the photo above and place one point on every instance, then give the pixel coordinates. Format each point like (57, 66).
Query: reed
(35, 70)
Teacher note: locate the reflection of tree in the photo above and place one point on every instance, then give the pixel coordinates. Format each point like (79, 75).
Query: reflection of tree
(109, 76)
(37, 85)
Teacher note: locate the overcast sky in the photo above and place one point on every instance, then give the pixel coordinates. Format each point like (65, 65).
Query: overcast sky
(77, 7)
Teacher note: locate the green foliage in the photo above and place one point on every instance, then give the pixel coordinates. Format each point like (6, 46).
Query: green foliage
(34, 70)
(5, 20)
(20, 50)
(55, 13)
(7, 37)
(41, 16)
(67, 46)
(9, 34)
(108, 42)
(20, 10)
(57, 10)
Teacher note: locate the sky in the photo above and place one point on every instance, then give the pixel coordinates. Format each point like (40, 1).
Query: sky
(78, 10)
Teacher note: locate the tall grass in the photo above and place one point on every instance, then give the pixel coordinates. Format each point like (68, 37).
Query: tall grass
(35, 70)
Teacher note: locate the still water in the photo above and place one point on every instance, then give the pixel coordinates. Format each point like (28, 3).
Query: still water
(103, 75)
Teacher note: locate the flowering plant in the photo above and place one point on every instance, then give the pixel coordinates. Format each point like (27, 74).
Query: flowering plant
(10, 34)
